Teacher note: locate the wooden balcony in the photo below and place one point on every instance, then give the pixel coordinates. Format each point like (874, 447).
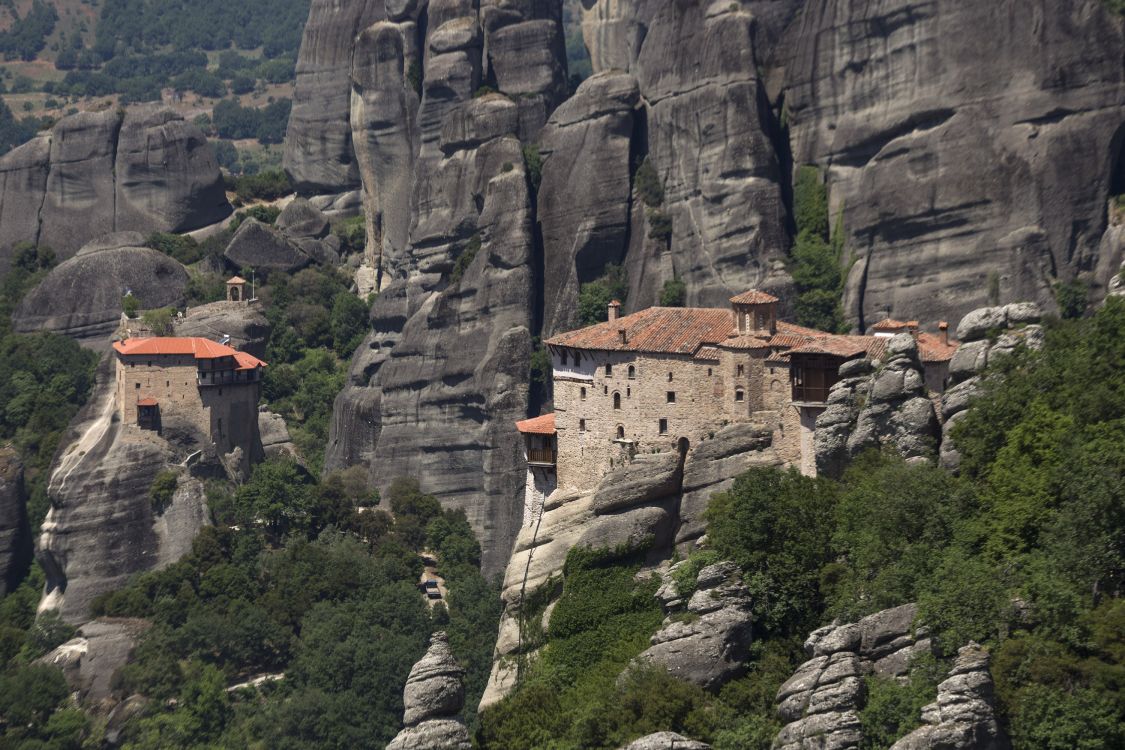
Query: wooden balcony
(541, 457)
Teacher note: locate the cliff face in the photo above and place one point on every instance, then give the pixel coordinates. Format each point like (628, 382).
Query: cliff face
(100, 172)
(949, 156)
(960, 140)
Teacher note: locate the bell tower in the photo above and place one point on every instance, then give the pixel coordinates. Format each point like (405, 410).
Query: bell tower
(755, 313)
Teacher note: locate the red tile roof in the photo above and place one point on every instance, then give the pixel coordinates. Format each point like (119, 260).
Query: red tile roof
(931, 348)
(544, 425)
(198, 347)
(148, 402)
(707, 353)
(666, 330)
(889, 324)
(753, 297)
(746, 342)
(842, 346)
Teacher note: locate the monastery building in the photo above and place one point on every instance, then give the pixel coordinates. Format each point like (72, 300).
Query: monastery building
(664, 378)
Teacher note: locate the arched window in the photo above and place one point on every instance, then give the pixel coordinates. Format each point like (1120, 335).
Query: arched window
(620, 432)
(739, 395)
(669, 377)
(582, 394)
(616, 400)
(632, 373)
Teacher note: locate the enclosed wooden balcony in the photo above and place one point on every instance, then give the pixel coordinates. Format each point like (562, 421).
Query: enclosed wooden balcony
(544, 457)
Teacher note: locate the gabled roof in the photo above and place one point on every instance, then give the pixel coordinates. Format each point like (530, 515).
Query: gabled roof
(236, 280)
(666, 330)
(889, 324)
(842, 346)
(196, 346)
(544, 425)
(753, 297)
(932, 349)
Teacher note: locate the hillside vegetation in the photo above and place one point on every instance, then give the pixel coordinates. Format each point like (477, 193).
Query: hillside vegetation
(1024, 552)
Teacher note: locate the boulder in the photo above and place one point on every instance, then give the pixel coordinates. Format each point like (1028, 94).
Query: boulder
(666, 741)
(708, 642)
(89, 661)
(963, 717)
(103, 276)
(978, 323)
(301, 219)
(433, 697)
(261, 247)
(245, 324)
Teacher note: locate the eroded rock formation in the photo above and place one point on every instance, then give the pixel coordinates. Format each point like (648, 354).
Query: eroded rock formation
(89, 660)
(145, 169)
(82, 296)
(906, 105)
(654, 499)
(985, 334)
(963, 716)
(666, 741)
(821, 701)
(875, 404)
(433, 698)
(705, 640)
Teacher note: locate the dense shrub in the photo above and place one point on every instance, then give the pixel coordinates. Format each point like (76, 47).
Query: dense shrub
(594, 297)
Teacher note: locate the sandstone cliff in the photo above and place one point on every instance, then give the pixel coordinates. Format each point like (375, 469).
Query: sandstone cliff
(944, 156)
(145, 169)
(960, 140)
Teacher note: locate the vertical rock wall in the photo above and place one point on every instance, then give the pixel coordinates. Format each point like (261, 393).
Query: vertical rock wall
(959, 140)
(94, 173)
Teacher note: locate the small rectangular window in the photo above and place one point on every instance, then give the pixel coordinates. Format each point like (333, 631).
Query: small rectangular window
(671, 397)
(608, 370)
(664, 427)
(739, 396)
(581, 425)
(741, 370)
(582, 394)
(137, 385)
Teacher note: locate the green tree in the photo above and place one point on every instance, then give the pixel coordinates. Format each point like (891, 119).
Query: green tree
(777, 525)
(594, 297)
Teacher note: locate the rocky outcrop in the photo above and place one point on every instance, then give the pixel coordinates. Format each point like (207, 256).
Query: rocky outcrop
(82, 296)
(89, 661)
(452, 330)
(246, 325)
(821, 701)
(985, 334)
(102, 526)
(15, 535)
(433, 698)
(705, 640)
(99, 172)
(301, 219)
(656, 499)
(878, 404)
(903, 103)
(526, 57)
(963, 717)
(318, 147)
(260, 246)
(584, 199)
(276, 441)
(666, 741)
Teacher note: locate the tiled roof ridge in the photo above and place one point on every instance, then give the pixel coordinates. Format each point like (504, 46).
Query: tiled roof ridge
(541, 425)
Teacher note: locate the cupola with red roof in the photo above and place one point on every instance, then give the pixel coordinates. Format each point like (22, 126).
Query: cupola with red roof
(755, 313)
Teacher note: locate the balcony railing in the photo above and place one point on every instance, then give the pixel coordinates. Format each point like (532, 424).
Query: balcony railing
(811, 393)
(228, 377)
(541, 456)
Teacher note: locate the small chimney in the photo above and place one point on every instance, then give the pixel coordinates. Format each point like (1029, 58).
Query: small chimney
(621, 334)
(912, 327)
(614, 310)
(943, 326)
